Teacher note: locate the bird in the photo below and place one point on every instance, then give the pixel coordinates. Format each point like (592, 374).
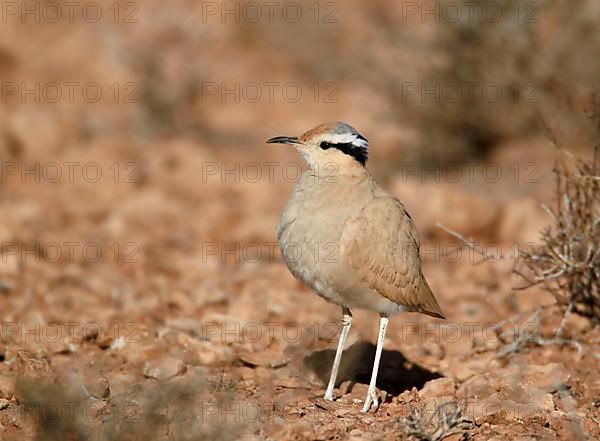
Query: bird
(349, 240)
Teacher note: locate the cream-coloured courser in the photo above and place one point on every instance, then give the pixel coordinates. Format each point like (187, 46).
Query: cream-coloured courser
(348, 239)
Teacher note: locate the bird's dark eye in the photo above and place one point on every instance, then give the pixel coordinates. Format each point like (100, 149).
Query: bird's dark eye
(326, 145)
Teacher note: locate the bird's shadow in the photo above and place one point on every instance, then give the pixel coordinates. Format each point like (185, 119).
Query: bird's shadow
(396, 373)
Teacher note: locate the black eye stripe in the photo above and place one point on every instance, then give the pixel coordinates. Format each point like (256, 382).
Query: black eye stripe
(330, 145)
(357, 152)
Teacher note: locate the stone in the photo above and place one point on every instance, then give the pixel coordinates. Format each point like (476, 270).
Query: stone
(97, 387)
(163, 369)
(544, 402)
(185, 324)
(223, 328)
(515, 392)
(493, 409)
(550, 377)
(268, 358)
(438, 388)
(7, 387)
(464, 369)
(206, 353)
(478, 386)
(60, 347)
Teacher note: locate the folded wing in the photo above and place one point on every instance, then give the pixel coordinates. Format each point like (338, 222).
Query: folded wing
(382, 245)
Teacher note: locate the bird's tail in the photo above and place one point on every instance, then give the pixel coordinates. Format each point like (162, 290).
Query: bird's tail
(429, 304)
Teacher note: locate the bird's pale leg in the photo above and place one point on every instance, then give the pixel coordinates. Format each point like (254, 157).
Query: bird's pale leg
(346, 322)
(371, 394)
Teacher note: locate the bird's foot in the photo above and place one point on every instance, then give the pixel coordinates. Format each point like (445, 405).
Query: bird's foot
(371, 400)
(328, 396)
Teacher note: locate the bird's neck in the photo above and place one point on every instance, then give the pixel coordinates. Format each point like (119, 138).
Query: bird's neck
(335, 172)
(330, 164)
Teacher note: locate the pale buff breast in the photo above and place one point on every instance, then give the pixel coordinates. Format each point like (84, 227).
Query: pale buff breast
(310, 243)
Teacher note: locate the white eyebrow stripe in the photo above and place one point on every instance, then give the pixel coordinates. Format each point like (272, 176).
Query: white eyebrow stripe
(347, 138)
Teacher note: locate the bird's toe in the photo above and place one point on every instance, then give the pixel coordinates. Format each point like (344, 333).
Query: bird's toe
(371, 401)
(328, 396)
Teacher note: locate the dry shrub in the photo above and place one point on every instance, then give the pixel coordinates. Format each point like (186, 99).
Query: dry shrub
(567, 263)
(181, 411)
(465, 85)
(535, 65)
(445, 421)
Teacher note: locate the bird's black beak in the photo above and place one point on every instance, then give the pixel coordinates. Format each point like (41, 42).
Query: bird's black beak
(284, 140)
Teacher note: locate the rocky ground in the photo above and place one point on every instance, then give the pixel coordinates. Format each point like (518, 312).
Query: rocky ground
(189, 324)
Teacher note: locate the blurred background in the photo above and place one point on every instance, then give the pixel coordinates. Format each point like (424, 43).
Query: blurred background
(139, 201)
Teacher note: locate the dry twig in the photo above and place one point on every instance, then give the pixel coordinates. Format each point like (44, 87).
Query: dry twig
(567, 264)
